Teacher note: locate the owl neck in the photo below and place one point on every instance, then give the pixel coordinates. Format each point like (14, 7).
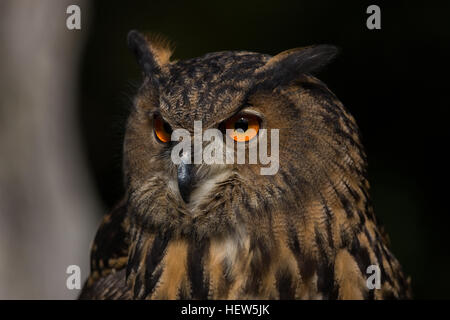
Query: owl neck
(283, 258)
(301, 244)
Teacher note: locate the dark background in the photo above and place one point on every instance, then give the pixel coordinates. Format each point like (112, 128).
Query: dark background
(392, 80)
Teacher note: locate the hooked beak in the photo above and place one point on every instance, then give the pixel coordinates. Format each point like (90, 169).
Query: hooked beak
(185, 178)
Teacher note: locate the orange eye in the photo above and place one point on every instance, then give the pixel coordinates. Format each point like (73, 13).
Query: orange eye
(163, 131)
(242, 127)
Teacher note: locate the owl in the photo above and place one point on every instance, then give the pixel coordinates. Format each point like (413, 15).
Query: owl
(187, 230)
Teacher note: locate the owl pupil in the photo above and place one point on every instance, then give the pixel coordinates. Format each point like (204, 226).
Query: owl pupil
(241, 124)
(167, 127)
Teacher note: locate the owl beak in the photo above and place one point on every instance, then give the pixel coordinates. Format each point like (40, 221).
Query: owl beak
(185, 179)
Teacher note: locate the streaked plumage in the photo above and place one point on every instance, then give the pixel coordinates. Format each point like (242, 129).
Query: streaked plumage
(307, 232)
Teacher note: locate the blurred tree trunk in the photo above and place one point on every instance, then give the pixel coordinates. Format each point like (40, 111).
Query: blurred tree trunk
(48, 210)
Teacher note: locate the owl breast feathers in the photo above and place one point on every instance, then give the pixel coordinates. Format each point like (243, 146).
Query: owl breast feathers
(224, 231)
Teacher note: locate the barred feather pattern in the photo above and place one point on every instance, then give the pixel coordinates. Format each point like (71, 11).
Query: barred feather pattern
(307, 232)
(315, 242)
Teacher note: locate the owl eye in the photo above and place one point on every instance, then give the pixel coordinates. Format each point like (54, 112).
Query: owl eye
(242, 127)
(162, 129)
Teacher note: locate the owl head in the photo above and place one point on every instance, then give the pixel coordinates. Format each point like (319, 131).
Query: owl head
(235, 92)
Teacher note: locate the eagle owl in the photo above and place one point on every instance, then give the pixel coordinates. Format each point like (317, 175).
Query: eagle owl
(225, 231)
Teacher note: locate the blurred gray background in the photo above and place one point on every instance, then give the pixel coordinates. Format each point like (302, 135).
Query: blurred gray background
(48, 207)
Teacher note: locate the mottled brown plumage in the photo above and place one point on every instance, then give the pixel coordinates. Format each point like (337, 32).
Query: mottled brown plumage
(307, 232)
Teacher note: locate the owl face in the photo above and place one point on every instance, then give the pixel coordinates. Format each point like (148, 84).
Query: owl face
(237, 91)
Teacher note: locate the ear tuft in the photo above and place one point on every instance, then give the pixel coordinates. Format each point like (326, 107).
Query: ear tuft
(151, 52)
(161, 47)
(145, 58)
(288, 65)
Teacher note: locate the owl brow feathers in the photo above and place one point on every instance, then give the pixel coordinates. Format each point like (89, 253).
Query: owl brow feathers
(290, 64)
(153, 53)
